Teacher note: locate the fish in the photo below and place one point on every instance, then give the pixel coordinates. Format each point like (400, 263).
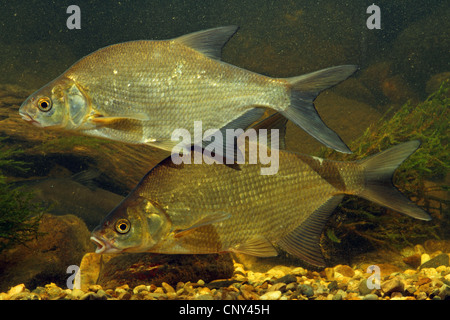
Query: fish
(139, 92)
(77, 195)
(213, 208)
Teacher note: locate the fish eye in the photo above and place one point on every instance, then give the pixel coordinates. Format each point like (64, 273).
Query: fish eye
(122, 226)
(44, 104)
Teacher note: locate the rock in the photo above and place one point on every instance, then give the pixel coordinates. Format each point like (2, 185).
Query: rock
(329, 273)
(424, 258)
(414, 260)
(421, 296)
(90, 267)
(201, 282)
(386, 269)
(419, 249)
(64, 241)
(289, 278)
(204, 297)
(306, 290)
(440, 260)
(422, 281)
(437, 245)
(279, 271)
(124, 296)
(344, 270)
(423, 53)
(77, 293)
(333, 285)
(444, 292)
(248, 292)
(93, 296)
(16, 289)
(168, 288)
(392, 285)
(95, 288)
(279, 286)
(363, 288)
(140, 288)
(397, 90)
(370, 296)
(355, 117)
(136, 269)
(271, 295)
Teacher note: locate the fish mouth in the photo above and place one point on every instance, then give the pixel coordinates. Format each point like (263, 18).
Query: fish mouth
(103, 246)
(28, 118)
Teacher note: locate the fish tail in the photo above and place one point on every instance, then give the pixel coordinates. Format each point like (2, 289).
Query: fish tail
(301, 111)
(379, 170)
(304, 240)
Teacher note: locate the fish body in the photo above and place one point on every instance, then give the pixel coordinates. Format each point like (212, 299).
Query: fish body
(141, 91)
(197, 209)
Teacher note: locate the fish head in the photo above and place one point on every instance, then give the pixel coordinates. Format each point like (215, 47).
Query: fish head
(60, 104)
(135, 225)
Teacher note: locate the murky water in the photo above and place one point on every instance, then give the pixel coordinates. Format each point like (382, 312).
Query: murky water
(404, 61)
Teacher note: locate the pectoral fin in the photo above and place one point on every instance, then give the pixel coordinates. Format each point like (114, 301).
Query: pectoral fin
(257, 246)
(209, 219)
(109, 120)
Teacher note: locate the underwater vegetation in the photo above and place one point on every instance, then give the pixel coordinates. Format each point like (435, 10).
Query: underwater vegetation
(70, 143)
(19, 215)
(423, 177)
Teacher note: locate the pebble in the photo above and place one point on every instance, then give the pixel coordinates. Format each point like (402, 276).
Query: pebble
(430, 281)
(439, 260)
(271, 295)
(392, 285)
(424, 258)
(306, 290)
(140, 288)
(363, 288)
(168, 288)
(370, 296)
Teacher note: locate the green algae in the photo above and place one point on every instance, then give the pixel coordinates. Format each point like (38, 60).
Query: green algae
(19, 215)
(423, 177)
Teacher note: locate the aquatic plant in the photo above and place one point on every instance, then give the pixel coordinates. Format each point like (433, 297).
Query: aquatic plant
(423, 177)
(71, 143)
(19, 215)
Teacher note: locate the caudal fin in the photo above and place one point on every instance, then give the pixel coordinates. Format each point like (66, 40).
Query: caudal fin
(302, 112)
(379, 170)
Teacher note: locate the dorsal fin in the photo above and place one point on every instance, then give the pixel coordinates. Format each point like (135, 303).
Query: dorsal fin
(303, 242)
(209, 42)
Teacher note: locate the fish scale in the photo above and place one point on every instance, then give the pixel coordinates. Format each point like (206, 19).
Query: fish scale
(241, 192)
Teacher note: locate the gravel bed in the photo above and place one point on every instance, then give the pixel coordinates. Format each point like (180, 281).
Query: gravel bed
(341, 282)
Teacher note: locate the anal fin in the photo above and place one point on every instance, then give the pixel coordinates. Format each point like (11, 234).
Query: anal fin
(303, 242)
(257, 246)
